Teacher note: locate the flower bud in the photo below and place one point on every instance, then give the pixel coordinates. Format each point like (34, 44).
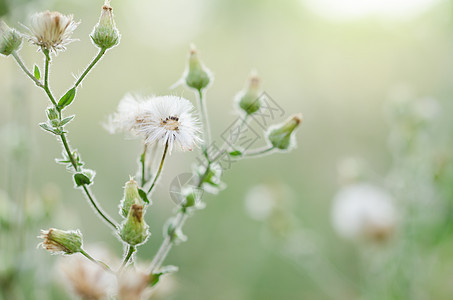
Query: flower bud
(10, 39)
(60, 241)
(248, 100)
(105, 34)
(52, 114)
(280, 136)
(134, 230)
(197, 76)
(131, 196)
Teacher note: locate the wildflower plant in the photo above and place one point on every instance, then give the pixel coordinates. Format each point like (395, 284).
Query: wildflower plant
(162, 123)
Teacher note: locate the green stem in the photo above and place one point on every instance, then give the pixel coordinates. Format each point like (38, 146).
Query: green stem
(46, 79)
(130, 251)
(87, 191)
(24, 68)
(98, 262)
(206, 128)
(143, 163)
(90, 66)
(168, 242)
(160, 168)
(257, 152)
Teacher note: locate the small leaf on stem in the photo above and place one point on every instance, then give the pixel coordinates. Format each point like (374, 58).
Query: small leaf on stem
(81, 179)
(66, 99)
(143, 195)
(37, 73)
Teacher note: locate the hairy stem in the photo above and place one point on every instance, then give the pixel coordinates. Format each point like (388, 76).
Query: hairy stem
(257, 152)
(26, 71)
(160, 168)
(205, 121)
(130, 251)
(46, 79)
(98, 262)
(143, 165)
(90, 66)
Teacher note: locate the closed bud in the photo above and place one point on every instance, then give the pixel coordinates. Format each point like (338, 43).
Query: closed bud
(105, 35)
(280, 136)
(131, 196)
(52, 114)
(10, 39)
(134, 230)
(197, 76)
(60, 241)
(248, 100)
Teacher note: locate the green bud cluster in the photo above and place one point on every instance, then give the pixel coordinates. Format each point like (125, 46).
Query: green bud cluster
(61, 241)
(248, 99)
(280, 136)
(197, 76)
(10, 39)
(105, 34)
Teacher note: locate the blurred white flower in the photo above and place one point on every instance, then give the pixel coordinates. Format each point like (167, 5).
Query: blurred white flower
(52, 30)
(259, 202)
(132, 284)
(86, 279)
(363, 211)
(164, 119)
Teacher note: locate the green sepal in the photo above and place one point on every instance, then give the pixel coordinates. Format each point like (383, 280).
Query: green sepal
(66, 120)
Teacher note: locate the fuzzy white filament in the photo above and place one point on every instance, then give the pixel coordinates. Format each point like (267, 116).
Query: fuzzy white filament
(164, 119)
(52, 30)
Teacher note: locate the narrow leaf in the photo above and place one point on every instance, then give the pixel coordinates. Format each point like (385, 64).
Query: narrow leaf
(66, 120)
(37, 73)
(46, 127)
(67, 98)
(81, 179)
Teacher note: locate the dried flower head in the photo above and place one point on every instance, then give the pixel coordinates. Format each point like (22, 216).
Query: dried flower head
(52, 30)
(364, 211)
(60, 241)
(164, 119)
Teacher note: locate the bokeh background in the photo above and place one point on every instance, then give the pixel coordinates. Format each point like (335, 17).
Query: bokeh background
(340, 63)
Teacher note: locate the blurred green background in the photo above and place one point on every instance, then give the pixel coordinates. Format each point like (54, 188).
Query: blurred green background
(336, 66)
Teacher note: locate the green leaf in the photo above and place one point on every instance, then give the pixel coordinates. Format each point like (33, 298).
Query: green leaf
(46, 127)
(37, 73)
(235, 153)
(66, 120)
(66, 99)
(143, 195)
(81, 179)
(155, 277)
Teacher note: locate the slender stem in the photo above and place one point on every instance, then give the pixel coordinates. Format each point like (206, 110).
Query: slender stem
(168, 242)
(98, 209)
(46, 79)
(90, 66)
(224, 146)
(98, 262)
(87, 191)
(179, 221)
(143, 167)
(160, 168)
(257, 152)
(130, 251)
(24, 68)
(206, 128)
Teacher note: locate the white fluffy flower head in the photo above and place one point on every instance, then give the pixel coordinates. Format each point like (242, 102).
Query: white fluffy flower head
(164, 119)
(52, 30)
